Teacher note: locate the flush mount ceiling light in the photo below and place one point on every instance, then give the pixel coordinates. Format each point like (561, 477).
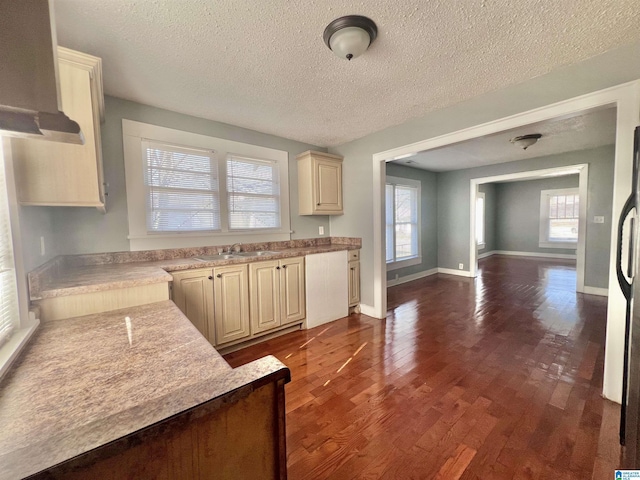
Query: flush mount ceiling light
(349, 37)
(525, 141)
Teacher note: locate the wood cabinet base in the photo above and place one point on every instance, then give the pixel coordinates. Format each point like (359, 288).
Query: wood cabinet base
(242, 439)
(70, 306)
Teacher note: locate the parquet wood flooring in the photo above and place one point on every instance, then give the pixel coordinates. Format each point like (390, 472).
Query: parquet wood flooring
(498, 377)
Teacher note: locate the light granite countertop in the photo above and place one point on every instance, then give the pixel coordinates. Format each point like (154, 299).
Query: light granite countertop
(84, 382)
(69, 276)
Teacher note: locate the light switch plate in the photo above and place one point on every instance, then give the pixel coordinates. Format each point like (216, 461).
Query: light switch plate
(598, 219)
(321, 230)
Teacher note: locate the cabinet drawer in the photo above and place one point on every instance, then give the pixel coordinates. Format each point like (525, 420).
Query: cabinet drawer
(354, 255)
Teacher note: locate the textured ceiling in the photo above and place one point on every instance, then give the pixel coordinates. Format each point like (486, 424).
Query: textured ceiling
(263, 65)
(581, 132)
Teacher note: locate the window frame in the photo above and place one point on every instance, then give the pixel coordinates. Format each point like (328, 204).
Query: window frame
(410, 183)
(481, 244)
(133, 135)
(26, 324)
(545, 195)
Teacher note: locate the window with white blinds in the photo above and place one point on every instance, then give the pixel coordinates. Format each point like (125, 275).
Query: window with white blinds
(9, 314)
(182, 189)
(186, 189)
(253, 192)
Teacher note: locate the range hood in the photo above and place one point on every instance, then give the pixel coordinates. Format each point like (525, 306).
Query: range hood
(30, 104)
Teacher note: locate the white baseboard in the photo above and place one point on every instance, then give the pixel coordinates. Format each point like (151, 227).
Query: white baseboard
(534, 254)
(486, 254)
(452, 271)
(410, 278)
(602, 292)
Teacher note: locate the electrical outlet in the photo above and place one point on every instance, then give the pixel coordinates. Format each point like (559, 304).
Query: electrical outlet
(460, 266)
(42, 249)
(598, 219)
(321, 230)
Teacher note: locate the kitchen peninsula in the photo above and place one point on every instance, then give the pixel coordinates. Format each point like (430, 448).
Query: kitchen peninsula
(138, 388)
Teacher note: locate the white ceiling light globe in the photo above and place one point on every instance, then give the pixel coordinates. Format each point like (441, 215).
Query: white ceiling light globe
(350, 36)
(350, 42)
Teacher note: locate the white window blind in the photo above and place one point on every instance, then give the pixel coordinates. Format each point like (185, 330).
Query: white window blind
(253, 192)
(9, 314)
(182, 188)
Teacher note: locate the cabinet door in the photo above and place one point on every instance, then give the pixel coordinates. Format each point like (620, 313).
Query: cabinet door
(64, 174)
(264, 292)
(193, 294)
(292, 289)
(231, 310)
(354, 283)
(328, 186)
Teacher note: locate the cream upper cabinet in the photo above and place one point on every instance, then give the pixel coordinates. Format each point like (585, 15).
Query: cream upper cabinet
(277, 293)
(319, 183)
(193, 294)
(354, 277)
(61, 174)
(231, 303)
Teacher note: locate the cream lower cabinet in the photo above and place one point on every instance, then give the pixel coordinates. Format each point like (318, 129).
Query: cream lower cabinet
(192, 292)
(276, 290)
(231, 303)
(354, 278)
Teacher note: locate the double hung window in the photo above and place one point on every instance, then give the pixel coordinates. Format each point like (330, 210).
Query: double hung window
(402, 203)
(480, 226)
(15, 325)
(559, 218)
(192, 186)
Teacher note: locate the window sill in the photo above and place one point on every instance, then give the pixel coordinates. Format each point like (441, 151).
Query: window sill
(482, 246)
(565, 245)
(404, 263)
(11, 350)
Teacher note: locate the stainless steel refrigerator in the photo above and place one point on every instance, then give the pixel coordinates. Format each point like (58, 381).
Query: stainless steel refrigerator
(627, 268)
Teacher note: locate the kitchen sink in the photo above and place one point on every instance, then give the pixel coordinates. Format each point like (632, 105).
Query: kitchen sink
(258, 253)
(228, 256)
(209, 258)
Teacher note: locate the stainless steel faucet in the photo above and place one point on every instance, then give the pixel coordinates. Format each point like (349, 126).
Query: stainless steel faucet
(233, 247)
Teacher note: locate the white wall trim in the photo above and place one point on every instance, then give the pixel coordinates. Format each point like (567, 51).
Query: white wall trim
(535, 254)
(626, 99)
(369, 311)
(452, 271)
(412, 277)
(486, 254)
(602, 292)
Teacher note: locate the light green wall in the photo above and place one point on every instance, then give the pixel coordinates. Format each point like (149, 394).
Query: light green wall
(36, 222)
(518, 214)
(428, 221)
(85, 230)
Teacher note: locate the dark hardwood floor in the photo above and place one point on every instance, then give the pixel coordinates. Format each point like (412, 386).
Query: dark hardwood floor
(498, 377)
